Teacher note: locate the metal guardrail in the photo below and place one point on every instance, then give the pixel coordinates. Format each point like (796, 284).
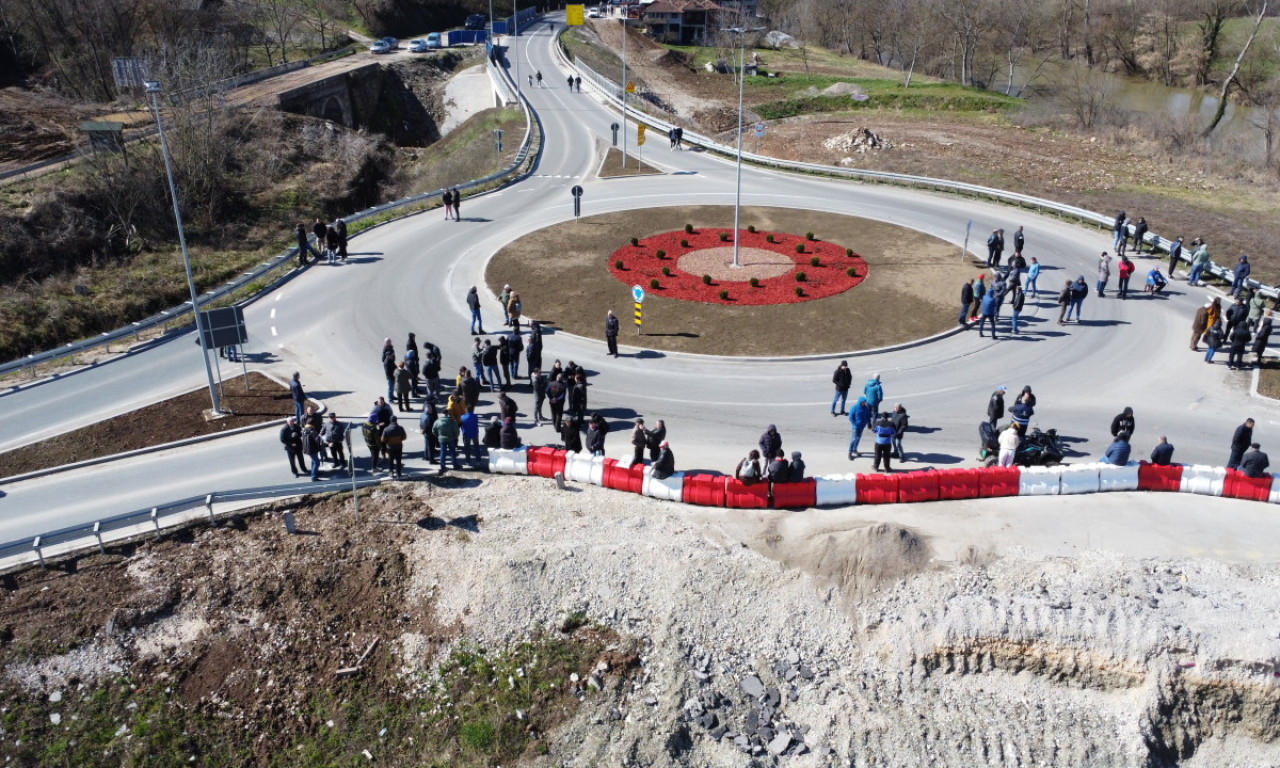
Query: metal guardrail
(184, 309)
(613, 92)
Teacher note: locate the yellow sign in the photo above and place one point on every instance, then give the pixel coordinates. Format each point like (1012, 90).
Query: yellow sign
(637, 314)
(631, 87)
(573, 15)
(640, 134)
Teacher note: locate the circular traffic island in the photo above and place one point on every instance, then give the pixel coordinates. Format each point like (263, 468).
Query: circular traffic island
(805, 282)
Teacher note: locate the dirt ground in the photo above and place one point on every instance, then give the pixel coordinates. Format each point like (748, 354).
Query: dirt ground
(912, 285)
(612, 166)
(169, 420)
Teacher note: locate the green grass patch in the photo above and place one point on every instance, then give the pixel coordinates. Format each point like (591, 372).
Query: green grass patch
(468, 152)
(881, 95)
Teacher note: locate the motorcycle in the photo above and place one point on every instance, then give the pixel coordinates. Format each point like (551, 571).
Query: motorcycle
(1036, 449)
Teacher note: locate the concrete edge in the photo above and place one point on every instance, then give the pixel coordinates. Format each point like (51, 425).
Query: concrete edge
(154, 448)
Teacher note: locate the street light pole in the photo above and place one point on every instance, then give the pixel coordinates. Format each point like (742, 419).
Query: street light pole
(624, 86)
(515, 20)
(153, 88)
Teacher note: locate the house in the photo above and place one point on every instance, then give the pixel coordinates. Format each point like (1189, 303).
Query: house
(683, 22)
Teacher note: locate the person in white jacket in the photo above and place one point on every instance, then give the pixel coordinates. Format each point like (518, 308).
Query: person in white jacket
(1009, 440)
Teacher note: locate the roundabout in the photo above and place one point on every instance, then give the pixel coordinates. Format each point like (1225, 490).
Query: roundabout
(874, 284)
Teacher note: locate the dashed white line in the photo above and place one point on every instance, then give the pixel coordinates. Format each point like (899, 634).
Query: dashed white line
(273, 313)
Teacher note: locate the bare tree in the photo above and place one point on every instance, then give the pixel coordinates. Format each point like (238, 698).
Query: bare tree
(1213, 14)
(1088, 93)
(968, 21)
(1235, 72)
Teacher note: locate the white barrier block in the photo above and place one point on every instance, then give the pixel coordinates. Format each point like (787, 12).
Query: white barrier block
(509, 462)
(670, 488)
(584, 468)
(1114, 478)
(1274, 496)
(836, 490)
(597, 471)
(1040, 481)
(1203, 479)
(1079, 478)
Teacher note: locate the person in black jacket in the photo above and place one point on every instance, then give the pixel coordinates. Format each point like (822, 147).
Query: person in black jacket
(797, 467)
(1240, 338)
(780, 468)
(311, 445)
(995, 406)
(538, 383)
(1239, 442)
(1140, 231)
(664, 465)
(393, 438)
(843, 379)
(291, 439)
(1261, 338)
(1254, 463)
(533, 348)
(321, 231)
(507, 407)
(493, 433)
(508, 438)
(571, 435)
(557, 393)
(341, 227)
(389, 367)
(655, 438)
(1162, 454)
(578, 397)
(611, 333)
(770, 443)
(1016, 304)
(639, 441)
(504, 362)
(966, 301)
(1123, 422)
(333, 433)
(596, 431)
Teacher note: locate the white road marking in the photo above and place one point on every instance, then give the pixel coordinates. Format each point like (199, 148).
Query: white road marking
(273, 313)
(279, 296)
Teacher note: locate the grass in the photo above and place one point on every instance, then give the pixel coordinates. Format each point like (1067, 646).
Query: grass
(464, 717)
(881, 95)
(822, 62)
(468, 152)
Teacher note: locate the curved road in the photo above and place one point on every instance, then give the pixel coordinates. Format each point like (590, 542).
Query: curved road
(412, 275)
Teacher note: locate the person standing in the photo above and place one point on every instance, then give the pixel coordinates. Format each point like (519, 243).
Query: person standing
(611, 333)
(1261, 338)
(979, 291)
(533, 349)
(1254, 463)
(571, 435)
(1125, 271)
(291, 440)
(1139, 232)
(597, 429)
(477, 362)
(538, 76)
(843, 379)
(1064, 302)
(311, 445)
(515, 345)
(671, 137)
(514, 308)
(430, 447)
(679, 137)
(341, 226)
(639, 441)
(538, 383)
(322, 234)
(1240, 338)
(557, 393)
(1213, 339)
(1019, 299)
(469, 428)
(577, 84)
(1104, 274)
(447, 198)
(473, 302)
(1239, 443)
(402, 387)
(1239, 275)
(1175, 253)
(300, 234)
(1019, 241)
(770, 442)
(490, 359)
(1121, 232)
(578, 397)
(995, 406)
(1199, 261)
(995, 247)
(333, 243)
(884, 442)
(299, 397)
(966, 301)
(1236, 314)
(372, 434)
(900, 421)
(457, 203)
(504, 362)
(446, 432)
(504, 299)
(1079, 290)
(570, 83)
(1033, 273)
(1199, 326)
(333, 435)
(389, 366)
(1009, 441)
(859, 418)
(874, 393)
(412, 362)
(990, 303)
(393, 437)
(655, 438)
(1257, 305)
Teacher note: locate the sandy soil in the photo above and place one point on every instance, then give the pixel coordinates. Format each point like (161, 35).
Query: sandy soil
(566, 267)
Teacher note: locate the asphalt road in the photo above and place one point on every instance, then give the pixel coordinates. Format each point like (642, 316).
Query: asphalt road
(413, 274)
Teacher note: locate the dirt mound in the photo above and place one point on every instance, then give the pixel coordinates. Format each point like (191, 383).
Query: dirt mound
(858, 140)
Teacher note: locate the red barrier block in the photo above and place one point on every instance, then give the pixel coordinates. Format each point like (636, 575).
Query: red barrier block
(997, 481)
(704, 490)
(1251, 488)
(957, 484)
(545, 461)
(739, 496)
(620, 478)
(877, 489)
(1156, 477)
(921, 485)
(795, 495)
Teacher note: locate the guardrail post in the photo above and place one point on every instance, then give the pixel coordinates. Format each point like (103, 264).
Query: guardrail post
(155, 520)
(97, 531)
(36, 546)
(208, 503)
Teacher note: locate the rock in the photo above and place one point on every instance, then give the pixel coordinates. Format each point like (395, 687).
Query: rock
(806, 673)
(651, 700)
(752, 687)
(55, 718)
(777, 40)
(55, 697)
(789, 674)
(718, 733)
(780, 743)
(573, 678)
(793, 694)
(793, 657)
(766, 734)
(593, 682)
(709, 721)
(771, 697)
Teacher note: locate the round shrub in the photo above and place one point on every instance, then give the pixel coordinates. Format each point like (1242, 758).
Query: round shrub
(653, 284)
(635, 241)
(814, 262)
(799, 247)
(688, 229)
(800, 277)
(751, 228)
(724, 237)
(808, 235)
(666, 272)
(706, 279)
(848, 252)
(768, 238)
(851, 272)
(617, 264)
(754, 282)
(661, 254)
(799, 291)
(684, 243)
(724, 295)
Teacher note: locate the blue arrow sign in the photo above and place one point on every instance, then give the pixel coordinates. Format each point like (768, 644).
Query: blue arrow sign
(637, 293)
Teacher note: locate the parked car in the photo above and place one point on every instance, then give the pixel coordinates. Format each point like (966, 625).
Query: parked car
(476, 21)
(594, 13)
(418, 46)
(380, 47)
(433, 40)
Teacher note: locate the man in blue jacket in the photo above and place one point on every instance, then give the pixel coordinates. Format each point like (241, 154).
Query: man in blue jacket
(1240, 274)
(859, 417)
(874, 393)
(1118, 452)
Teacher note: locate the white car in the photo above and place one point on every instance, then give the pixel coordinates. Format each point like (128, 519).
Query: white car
(594, 13)
(418, 46)
(380, 47)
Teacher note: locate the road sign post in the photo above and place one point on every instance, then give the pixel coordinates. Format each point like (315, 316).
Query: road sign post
(577, 200)
(639, 143)
(637, 293)
(614, 127)
(497, 135)
(759, 133)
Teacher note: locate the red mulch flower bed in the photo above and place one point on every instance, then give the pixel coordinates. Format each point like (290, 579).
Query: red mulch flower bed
(641, 265)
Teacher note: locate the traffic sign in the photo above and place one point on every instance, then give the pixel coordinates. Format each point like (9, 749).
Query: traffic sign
(573, 15)
(759, 130)
(631, 87)
(576, 191)
(637, 293)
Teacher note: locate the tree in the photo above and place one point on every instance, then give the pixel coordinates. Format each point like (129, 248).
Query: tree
(1235, 72)
(1088, 93)
(1213, 15)
(967, 21)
